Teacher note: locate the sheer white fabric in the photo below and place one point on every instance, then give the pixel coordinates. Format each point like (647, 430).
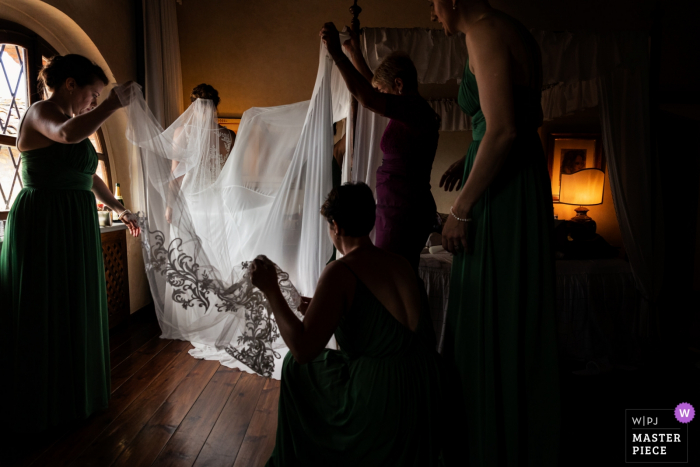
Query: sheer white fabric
(264, 199)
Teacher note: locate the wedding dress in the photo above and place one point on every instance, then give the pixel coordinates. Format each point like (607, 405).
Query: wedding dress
(262, 198)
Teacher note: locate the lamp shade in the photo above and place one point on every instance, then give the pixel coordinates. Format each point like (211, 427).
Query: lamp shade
(582, 188)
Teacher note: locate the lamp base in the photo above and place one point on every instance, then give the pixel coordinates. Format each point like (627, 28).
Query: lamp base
(582, 227)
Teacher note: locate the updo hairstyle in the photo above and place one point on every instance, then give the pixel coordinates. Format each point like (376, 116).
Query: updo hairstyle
(352, 206)
(61, 67)
(205, 91)
(397, 65)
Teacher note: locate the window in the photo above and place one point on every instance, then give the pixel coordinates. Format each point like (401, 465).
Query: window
(22, 54)
(14, 101)
(103, 166)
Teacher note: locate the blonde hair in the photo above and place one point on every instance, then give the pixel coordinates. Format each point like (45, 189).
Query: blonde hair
(397, 65)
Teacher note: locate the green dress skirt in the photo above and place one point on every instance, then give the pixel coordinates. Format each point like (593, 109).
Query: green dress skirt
(54, 298)
(500, 337)
(376, 402)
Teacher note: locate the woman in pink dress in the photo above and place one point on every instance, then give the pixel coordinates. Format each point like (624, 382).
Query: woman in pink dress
(405, 205)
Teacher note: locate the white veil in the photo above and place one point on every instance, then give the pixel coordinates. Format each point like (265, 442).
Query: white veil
(265, 199)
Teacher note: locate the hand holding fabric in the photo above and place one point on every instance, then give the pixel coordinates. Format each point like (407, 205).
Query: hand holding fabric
(121, 95)
(352, 45)
(131, 220)
(263, 274)
(330, 36)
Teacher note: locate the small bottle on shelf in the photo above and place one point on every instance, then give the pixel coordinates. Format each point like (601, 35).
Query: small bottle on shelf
(118, 196)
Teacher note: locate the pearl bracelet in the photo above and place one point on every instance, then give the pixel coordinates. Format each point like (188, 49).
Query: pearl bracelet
(468, 219)
(125, 212)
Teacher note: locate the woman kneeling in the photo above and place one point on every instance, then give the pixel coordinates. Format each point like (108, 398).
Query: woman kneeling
(377, 401)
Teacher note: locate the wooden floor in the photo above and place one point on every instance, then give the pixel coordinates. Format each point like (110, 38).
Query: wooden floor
(167, 409)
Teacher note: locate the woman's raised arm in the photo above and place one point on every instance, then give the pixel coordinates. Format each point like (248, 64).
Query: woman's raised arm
(357, 84)
(50, 121)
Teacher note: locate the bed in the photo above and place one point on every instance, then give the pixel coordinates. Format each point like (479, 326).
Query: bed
(596, 301)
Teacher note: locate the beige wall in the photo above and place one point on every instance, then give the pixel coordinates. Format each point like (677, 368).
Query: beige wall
(451, 146)
(265, 52)
(102, 30)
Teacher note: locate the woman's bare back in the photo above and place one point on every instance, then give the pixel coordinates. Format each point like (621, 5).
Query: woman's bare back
(391, 280)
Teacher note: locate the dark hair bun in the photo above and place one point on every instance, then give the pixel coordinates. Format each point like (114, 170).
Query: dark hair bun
(61, 67)
(205, 91)
(353, 207)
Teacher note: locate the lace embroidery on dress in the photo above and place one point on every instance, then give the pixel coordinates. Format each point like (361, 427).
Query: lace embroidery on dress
(216, 159)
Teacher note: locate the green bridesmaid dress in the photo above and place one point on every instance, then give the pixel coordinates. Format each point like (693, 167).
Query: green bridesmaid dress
(500, 342)
(54, 298)
(376, 402)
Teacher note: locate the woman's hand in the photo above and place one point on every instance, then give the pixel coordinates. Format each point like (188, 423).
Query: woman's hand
(454, 236)
(330, 37)
(263, 274)
(131, 220)
(169, 214)
(304, 305)
(452, 178)
(352, 45)
(120, 95)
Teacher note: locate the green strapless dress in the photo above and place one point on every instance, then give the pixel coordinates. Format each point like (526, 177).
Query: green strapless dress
(54, 298)
(376, 402)
(500, 337)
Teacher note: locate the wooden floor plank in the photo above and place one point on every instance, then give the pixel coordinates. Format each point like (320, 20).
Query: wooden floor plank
(134, 362)
(184, 446)
(75, 441)
(122, 352)
(118, 435)
(145, 448)
(224, 441)
(259, 440)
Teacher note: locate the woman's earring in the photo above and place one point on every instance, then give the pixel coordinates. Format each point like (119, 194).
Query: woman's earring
(454, 6)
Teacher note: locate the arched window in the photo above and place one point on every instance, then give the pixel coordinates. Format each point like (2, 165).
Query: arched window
(22, 55)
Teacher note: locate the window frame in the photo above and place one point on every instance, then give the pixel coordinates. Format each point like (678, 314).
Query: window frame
(37, 48)
(103, 156)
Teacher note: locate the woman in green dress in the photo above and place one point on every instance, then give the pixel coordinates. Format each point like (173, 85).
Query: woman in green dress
(52, 282)
(500, 341)
(378, 400)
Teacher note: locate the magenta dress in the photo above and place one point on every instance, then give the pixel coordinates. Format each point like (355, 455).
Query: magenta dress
(405, 205)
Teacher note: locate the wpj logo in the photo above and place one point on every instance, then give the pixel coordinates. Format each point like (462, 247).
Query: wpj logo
(658, 435)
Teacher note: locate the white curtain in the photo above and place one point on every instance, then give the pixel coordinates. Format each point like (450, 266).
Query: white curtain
(263, 198)
(438, 58)
(162, 56)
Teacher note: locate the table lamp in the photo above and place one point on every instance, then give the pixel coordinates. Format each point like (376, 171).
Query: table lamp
(582, 188)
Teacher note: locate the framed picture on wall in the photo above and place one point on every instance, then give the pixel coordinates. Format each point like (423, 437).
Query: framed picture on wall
(571, 152)
(231, 123)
